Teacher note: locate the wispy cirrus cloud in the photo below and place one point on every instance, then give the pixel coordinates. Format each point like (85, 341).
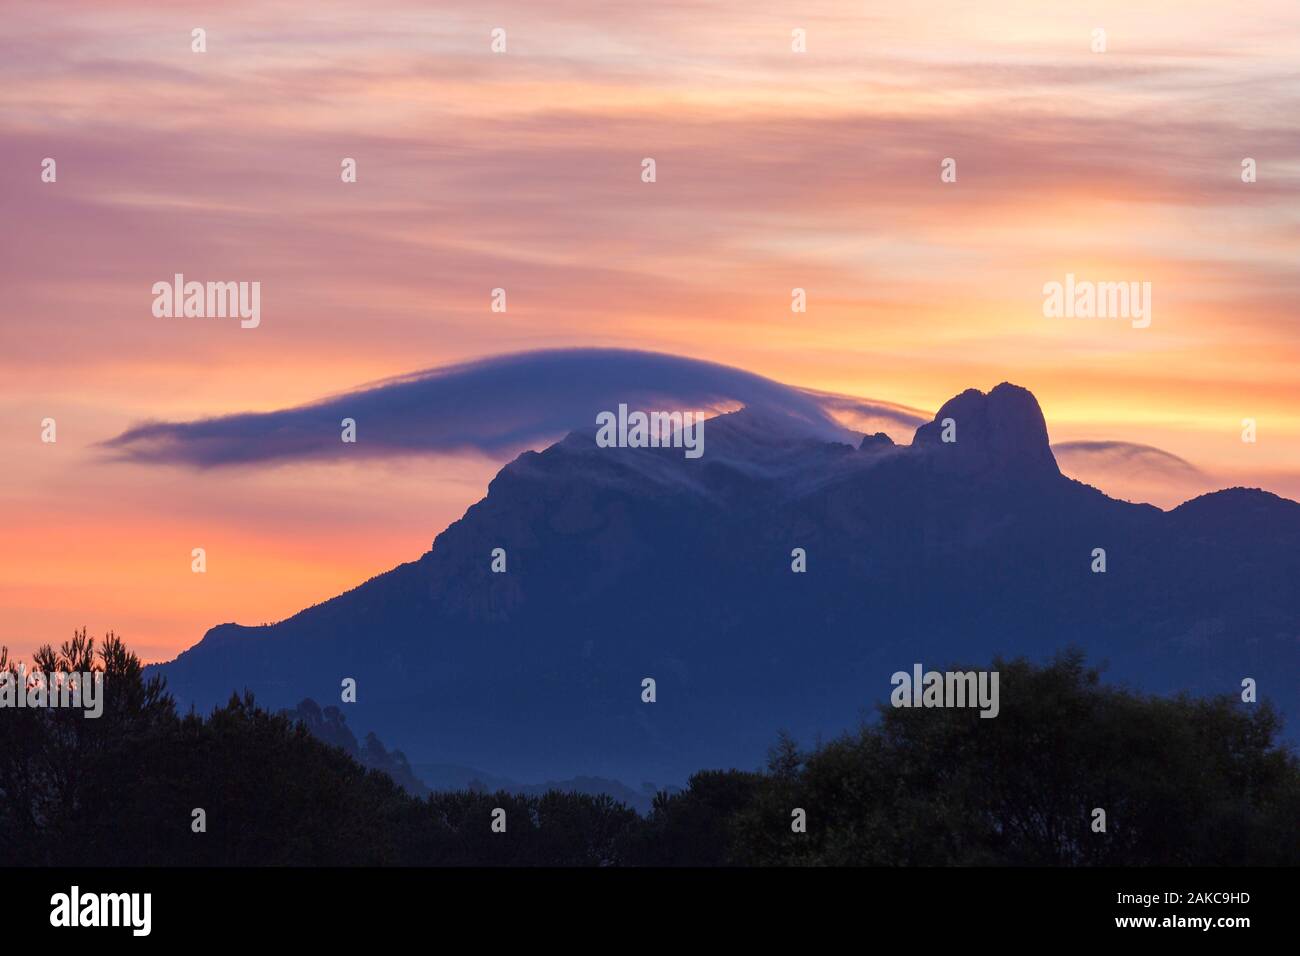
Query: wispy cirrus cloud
(477, 171)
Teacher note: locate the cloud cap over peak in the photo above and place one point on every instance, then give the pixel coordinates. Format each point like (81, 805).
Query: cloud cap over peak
(496, 406)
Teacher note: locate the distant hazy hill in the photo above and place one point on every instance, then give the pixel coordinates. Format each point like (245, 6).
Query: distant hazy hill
(633, 563)
(329, 724)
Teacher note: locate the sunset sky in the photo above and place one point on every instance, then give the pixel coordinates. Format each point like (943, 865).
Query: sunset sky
(522, 170)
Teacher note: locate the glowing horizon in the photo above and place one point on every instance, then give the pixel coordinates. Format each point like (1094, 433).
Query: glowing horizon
(521, 170)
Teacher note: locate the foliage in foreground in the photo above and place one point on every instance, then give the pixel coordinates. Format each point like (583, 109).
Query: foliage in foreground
(1182, 781)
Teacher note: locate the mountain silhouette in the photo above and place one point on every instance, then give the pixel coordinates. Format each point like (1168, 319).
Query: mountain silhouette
(633, 563)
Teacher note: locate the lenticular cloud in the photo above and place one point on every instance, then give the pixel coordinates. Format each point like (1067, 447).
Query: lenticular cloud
(496, 406)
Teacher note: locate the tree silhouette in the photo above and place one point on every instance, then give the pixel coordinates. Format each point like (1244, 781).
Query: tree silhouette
(1182, 780)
